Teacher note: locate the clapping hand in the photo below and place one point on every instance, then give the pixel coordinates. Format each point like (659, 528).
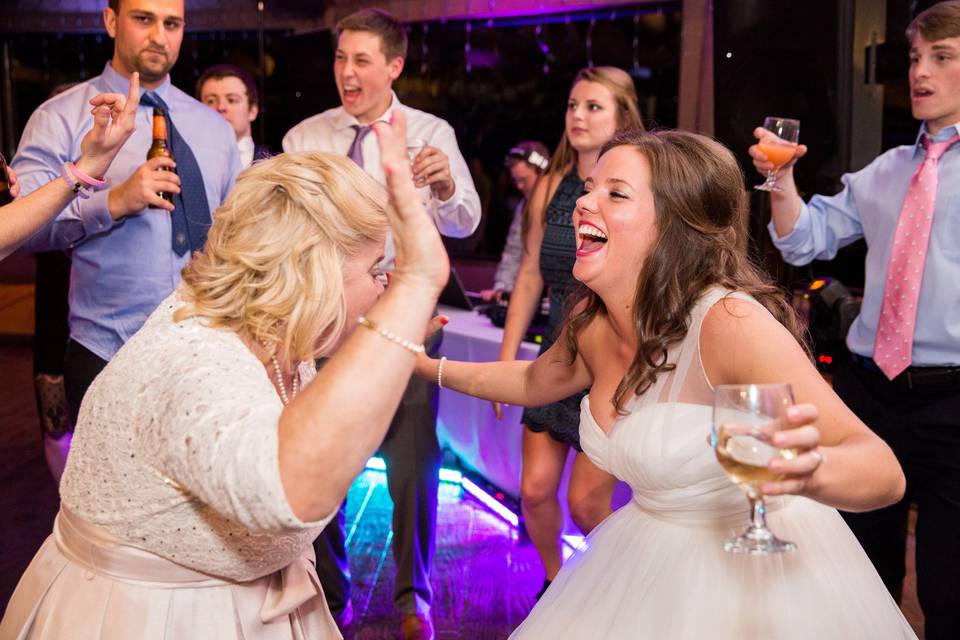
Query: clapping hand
(114, 119)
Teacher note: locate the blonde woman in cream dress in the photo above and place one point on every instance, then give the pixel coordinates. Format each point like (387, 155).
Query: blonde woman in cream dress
(205, 461)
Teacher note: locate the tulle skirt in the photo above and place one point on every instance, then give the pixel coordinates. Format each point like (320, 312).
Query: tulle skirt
(640, 576)
(84, 584)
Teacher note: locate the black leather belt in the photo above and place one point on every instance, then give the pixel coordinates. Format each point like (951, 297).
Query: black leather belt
(914, 377)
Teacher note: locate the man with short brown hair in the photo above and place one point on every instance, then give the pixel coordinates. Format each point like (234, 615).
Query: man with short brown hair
(127, 243)
(232, 92)
(902, 377)
(371, 48)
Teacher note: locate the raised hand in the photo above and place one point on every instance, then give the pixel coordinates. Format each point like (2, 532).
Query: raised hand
(114, 119)
(760, 161)
(421, 258)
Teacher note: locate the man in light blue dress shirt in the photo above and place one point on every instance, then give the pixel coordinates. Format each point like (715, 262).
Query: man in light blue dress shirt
(120, 238)
(917, 412)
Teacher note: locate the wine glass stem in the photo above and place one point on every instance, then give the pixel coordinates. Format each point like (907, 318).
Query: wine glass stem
(772, 176)
(758, 513)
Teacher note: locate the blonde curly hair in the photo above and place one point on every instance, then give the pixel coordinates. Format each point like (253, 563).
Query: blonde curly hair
(272, 264)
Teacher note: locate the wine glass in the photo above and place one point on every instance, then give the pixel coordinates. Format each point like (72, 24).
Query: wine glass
(745, 417)
(414, 147)
(779, 151)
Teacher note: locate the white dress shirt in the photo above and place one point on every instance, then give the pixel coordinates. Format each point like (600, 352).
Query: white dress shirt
(246, 147)
(332, 131)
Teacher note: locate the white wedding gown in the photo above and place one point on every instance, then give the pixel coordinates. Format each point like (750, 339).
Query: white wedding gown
(656, 568)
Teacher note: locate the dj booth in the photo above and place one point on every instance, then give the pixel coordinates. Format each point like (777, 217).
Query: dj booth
(468, 426)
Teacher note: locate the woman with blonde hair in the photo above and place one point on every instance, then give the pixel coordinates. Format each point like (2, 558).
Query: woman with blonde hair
(205, 461)
(602, 101)
(671, 308)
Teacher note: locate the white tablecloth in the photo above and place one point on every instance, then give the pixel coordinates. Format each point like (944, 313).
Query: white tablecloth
(468, 425)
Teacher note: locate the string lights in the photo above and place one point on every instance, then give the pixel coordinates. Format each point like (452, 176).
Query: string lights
(467, 46)
(593, 24)
(636, 43)
(424, 48)
(544, 48)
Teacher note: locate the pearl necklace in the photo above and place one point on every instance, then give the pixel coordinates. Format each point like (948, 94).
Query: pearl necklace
(282, 388)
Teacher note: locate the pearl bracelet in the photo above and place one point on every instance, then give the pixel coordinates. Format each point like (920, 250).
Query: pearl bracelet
(440, 371)
(391, 336)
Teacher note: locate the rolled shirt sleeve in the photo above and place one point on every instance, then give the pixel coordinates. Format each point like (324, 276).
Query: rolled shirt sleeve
(825, 224)
(47, 143)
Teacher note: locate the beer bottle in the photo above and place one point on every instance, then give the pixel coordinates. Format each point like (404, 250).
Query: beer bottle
(5, 197)
(159, 148)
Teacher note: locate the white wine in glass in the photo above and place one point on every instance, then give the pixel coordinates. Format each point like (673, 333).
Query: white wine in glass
(779, 150)
(745, 417)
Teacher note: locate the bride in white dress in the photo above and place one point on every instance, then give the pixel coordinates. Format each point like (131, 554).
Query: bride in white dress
(673, 309)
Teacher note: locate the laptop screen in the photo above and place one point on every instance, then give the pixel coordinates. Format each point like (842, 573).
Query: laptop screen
(453, 294)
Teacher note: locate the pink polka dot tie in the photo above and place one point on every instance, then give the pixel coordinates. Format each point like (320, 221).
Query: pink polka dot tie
(898, 313)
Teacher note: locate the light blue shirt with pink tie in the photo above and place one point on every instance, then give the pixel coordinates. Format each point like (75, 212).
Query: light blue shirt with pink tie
(869, 207)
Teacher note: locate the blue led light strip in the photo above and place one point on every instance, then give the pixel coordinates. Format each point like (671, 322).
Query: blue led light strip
(455, 477)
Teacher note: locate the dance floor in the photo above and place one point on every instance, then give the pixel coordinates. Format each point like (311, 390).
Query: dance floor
(484, 577)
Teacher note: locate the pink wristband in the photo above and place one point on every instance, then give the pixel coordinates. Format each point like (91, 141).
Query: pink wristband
(88, 181)
(79, 189)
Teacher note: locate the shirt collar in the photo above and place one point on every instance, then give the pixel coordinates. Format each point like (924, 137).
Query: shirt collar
(246, 143)
(945, 134)
(344, 120)
(119, 84)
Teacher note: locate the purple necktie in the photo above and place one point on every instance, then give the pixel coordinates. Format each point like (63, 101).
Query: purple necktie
(356, 149)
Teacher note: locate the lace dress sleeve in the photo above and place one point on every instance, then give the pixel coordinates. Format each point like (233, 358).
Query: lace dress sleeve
(215, 433)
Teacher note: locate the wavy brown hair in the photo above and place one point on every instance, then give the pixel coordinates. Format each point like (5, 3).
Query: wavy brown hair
(272, 264)
(701, 215)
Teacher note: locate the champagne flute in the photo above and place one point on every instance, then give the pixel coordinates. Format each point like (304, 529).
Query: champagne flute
(745, 417)
(779, 151)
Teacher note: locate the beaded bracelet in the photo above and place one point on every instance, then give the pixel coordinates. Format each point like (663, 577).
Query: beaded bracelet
(392, 337)
(440, 372)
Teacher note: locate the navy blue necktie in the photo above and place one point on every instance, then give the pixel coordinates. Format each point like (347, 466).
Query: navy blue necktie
(191, 216)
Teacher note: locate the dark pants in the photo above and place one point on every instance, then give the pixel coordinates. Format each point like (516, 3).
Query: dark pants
(80, 367)
(50, 312)
(50, 337)
(412, 453)
(922, 426)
